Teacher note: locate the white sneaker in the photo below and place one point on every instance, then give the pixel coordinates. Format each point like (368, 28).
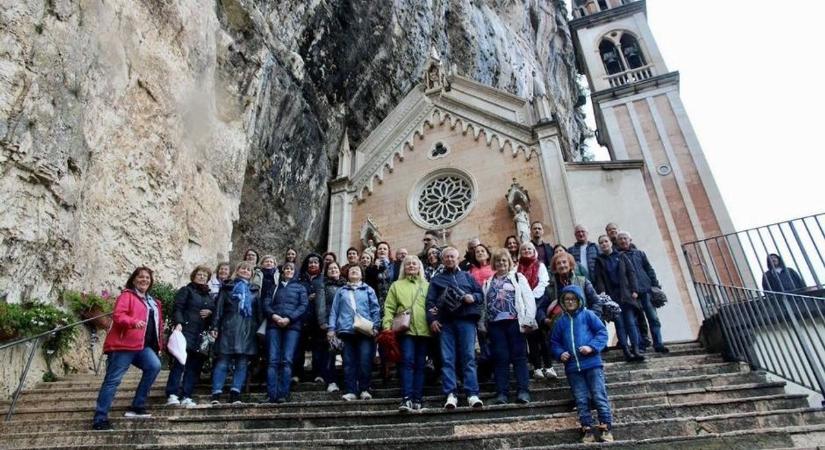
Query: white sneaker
(332, 387)
(550, 373)
(137, 414)
(452, 402)
(349, 397)
(188, 403)
(172, 400)
(366, 396)
(538, 374)
(475, 402)
(295, 379)
(319, 380)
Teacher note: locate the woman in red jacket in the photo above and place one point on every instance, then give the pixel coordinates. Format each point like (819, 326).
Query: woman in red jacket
(136, 338)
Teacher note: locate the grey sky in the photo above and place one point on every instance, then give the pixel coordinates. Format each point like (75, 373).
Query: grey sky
(750, 80)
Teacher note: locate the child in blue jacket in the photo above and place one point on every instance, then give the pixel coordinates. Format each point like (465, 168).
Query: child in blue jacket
(578, 338)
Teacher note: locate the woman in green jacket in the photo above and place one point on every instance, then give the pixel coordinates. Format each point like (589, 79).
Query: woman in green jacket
(408, 295)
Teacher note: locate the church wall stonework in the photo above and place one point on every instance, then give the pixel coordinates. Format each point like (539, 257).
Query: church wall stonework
(602, 196)
(493, 171)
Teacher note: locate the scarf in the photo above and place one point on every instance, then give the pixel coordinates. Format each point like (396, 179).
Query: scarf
(529, 267)
(243, 295)
(201, 288)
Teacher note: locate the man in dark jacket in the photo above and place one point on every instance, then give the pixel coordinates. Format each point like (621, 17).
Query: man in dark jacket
(469, 257)
(779, 278)
(543, 249)
(453, 310)
(584, 251)
(645, 281)
(398, 262)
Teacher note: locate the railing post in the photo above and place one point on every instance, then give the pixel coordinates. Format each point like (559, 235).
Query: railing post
(805, 255)
(806, 348)
(19, 389)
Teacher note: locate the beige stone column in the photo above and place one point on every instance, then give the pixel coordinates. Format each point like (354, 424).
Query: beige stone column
(554, 175)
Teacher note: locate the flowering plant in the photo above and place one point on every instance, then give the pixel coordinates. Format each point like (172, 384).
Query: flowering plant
(89, 303)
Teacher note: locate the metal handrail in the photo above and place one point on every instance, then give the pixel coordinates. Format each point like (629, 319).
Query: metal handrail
(37, 341)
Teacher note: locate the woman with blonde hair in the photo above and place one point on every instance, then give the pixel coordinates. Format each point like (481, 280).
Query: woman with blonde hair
(237, 315)
(508, 314)
(406, 307)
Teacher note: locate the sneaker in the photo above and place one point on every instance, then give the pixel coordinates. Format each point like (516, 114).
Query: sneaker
(235, 398)
(280, 400)
(137, 413)
(366, 395)
(188, 403)
(538, 374)
(662, 349)
(605, 435)
(349, 397)
(332, 387)
(587, 436)
(319, 380)
(417, 407)
(550, 373)
(103, 425)
(215, 399)
(452, 402)
(523, 398)
(172, 400)
(500, 399)
(405, 406)
(474, 401)
(295, 380)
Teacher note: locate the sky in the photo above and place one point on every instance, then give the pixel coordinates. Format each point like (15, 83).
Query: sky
(751, 78)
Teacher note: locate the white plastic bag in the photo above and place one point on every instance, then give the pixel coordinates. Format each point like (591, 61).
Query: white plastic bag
(177, 346)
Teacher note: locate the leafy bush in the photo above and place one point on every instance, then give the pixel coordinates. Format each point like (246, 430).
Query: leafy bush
(31, 318)
(13, 321)
(83, 303)
(165, 294)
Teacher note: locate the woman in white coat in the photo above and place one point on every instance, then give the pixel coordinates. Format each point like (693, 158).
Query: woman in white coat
(508, 314)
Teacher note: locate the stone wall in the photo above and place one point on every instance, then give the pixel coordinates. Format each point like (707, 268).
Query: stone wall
(171, 133)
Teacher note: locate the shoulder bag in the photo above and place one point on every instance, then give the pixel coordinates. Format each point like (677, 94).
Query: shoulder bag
(359, 322)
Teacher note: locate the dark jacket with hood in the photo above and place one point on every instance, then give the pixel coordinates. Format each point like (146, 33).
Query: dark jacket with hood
(623, 272)
(323, 302)
(236, 334)
(645, 275)
(290, 300)
(312, 285)
(463, 282)
(189, 301)
(576, 329)
(785, 280)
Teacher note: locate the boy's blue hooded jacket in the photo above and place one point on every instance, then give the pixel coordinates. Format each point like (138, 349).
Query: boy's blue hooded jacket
(574, 330)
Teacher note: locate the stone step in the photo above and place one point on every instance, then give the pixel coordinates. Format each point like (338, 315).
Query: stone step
(483, 433)
(662, 363)
(47, 400)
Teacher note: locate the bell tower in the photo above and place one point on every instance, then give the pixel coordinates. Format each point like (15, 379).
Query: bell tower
(640, 116)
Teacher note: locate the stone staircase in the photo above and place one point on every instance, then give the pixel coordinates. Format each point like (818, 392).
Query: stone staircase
(685, 400)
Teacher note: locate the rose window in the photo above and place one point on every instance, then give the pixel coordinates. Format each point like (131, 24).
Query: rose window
(444, 199)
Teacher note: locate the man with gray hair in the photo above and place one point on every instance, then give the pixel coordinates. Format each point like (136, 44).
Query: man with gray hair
(453, 309)
(470, 256)
(646, 281)
(584, 252)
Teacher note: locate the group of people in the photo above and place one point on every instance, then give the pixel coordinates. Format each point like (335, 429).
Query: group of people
(527, 301)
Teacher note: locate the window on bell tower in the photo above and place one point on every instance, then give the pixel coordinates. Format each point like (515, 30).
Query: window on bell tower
(610, 57)
(632, 52)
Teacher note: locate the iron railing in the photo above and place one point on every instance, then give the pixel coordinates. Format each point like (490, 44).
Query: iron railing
(775, 321)
(36, 341)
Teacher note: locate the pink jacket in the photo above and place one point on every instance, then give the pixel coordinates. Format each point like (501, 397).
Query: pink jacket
(129, 309)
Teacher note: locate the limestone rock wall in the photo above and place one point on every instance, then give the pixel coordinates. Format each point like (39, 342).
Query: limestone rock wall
(170, 132)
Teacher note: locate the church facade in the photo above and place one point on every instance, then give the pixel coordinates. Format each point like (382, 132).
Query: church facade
(450, 152)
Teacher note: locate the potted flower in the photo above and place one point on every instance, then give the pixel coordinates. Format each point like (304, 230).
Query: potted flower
(88, 305)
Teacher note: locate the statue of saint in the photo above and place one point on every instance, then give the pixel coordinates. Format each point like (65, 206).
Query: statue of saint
(522, 220)
(370, 247)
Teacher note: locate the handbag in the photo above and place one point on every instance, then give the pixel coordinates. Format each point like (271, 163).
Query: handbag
(207, 342)
(359, 323)
(657, 297)
(401, 322)
(450, 300)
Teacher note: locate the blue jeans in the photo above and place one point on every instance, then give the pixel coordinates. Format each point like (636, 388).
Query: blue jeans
(191, 373)
(281, 343)
(358, 353)
(652, 321)
(509, 347)
(458, 340)
(241, 362)
(589, 385)
(627, 328)
(413, 359)
(117, 364)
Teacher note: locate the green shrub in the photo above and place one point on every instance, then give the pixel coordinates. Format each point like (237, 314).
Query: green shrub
(165, 294)
(82, 303)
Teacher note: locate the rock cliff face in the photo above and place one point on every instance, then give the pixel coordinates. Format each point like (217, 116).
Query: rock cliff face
(170, 132)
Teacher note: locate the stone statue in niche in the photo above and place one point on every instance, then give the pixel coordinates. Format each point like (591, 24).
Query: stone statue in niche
(433, 75)
(369, 236)
(518, 201)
